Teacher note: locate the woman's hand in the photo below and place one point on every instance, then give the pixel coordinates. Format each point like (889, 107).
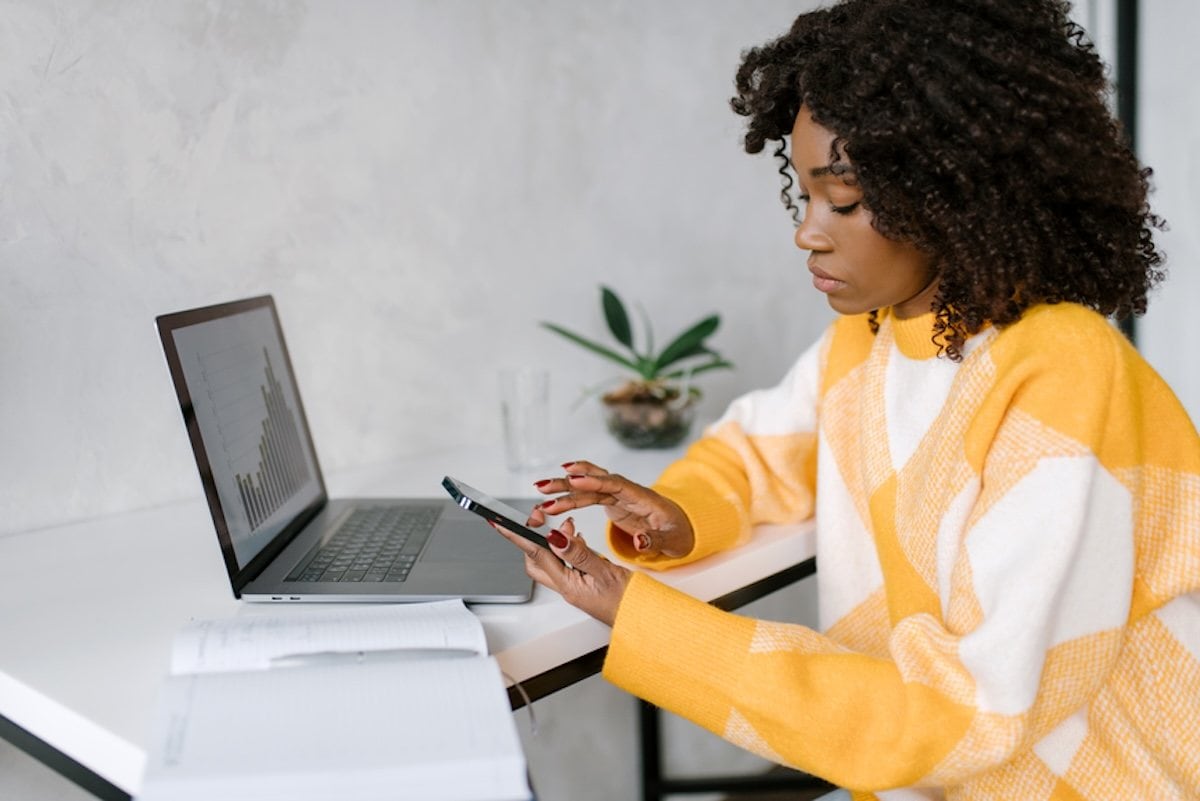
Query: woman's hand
(596, 585)
(654, 524)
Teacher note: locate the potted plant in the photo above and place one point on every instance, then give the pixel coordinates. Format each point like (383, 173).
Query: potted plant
(655, 407)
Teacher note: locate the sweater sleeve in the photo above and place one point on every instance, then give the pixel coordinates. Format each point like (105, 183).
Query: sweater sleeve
(781, 691)
(1027, 630)
(756, 464)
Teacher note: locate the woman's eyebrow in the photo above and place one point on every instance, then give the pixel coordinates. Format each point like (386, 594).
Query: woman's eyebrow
(839, 170)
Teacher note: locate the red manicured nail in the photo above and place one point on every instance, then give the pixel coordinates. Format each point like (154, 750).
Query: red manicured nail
(541, 483)
(547, 504)
(557, 538)
(575, 475)
(567, 465)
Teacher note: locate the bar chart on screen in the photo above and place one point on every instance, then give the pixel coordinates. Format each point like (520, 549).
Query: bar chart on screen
(246, 412)
(259, 432)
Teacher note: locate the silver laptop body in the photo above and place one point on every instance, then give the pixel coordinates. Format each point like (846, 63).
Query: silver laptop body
(242, 409)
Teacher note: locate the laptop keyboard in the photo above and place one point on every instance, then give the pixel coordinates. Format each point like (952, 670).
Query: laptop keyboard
(375, 543)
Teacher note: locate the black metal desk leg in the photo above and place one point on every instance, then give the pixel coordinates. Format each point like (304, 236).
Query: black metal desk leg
(656, 786)
(651, 743)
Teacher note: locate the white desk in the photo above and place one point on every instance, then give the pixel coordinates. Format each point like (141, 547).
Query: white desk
(90, 609)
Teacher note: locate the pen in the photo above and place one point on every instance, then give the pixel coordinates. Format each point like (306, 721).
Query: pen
(362, 657)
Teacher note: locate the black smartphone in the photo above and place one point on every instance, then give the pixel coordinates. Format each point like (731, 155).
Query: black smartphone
(491, 509)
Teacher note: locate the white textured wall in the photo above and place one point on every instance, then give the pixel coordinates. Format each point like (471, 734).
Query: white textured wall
(417, 182)
(1169, 141)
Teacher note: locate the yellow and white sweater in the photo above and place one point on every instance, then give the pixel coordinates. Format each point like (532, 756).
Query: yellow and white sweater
(1009, 569)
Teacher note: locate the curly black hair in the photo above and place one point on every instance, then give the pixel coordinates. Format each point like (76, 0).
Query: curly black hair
(980, 134)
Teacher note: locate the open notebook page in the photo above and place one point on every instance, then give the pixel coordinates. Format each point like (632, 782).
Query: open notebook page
(419, 731)
(250, 642)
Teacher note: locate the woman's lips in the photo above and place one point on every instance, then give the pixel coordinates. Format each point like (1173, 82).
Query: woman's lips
(824, 282)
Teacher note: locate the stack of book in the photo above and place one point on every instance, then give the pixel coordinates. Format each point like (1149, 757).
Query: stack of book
(391, 702)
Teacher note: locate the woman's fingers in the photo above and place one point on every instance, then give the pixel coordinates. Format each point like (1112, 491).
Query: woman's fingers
(583, 468)
(653, 523)
(595, 585)
(607, 483)
(561, 486)
(537, 517)
(619, 492)
(541, 565)
(549, 486)
(599, 489)
(576, 499)
(576, 552)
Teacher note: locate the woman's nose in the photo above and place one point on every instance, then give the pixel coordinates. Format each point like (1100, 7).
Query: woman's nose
(809, 237)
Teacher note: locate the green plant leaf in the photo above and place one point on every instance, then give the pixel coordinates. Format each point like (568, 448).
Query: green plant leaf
(647, 329)
(700, 349)
(616, 316)
(594, 347)
(686, 343)
(718, 364)
(646, 368)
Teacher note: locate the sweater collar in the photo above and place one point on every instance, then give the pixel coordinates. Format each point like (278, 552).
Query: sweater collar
(913, 336)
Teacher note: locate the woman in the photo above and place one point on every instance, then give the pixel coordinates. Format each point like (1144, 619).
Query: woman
(1007, 497)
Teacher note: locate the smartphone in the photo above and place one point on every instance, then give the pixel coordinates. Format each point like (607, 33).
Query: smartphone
(491, 509)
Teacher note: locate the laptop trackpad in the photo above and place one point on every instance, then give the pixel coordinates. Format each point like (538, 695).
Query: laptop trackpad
(471, 540)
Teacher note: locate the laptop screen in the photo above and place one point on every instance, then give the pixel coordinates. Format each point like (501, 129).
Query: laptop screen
(248, 420)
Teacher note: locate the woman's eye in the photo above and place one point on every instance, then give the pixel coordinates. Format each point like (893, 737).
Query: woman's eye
(802, 198)
(847, 209)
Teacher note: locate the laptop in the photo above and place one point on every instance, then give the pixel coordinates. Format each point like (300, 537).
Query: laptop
(282, 537)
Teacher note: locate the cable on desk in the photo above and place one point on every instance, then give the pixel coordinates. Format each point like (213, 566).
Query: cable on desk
(533, 730)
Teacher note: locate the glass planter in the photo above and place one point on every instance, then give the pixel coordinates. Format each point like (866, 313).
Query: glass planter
(649, 422)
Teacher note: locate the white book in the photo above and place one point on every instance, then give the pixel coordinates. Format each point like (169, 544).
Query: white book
(394, 702)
